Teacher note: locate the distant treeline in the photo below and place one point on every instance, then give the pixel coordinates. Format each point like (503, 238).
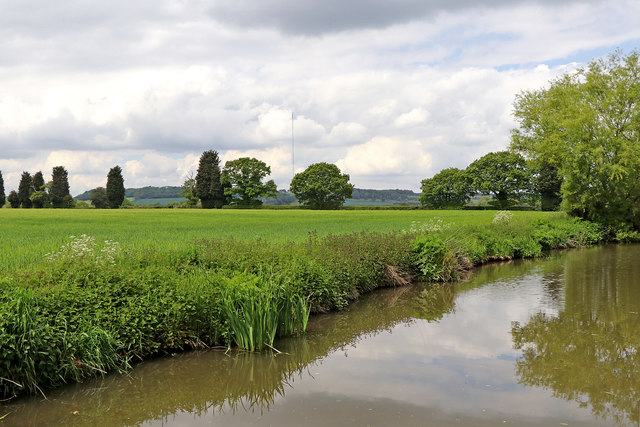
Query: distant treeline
(283, 197)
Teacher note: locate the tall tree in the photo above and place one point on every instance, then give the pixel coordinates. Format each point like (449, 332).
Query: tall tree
(450, 188)
(587, 124)
(40, 197)
(244, 177)
(208, 181)
(321, 186)
(25, 190)
(3, 198)
(503, 174)
(59, 191)
(115, 187)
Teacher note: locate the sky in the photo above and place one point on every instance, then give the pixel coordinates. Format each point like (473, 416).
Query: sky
(391, 91)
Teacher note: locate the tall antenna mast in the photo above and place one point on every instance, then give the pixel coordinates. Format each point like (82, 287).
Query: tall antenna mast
(293, 169)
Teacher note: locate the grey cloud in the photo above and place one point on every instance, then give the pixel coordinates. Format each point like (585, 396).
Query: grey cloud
(312, 17)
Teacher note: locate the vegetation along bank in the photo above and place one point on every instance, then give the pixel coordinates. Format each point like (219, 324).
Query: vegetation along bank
(94, 306)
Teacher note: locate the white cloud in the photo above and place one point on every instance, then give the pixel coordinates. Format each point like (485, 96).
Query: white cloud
(386, 156)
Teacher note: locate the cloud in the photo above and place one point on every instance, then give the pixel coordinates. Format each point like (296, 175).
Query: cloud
(386, 156)
(309, 17)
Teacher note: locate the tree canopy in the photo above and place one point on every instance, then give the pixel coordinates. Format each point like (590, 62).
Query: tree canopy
(449, 188)
(99, 198)
(587, 124)
(13, 199)
(115, 187)
(503, 174)
(321, 186)
(244, 178)
(208, 181)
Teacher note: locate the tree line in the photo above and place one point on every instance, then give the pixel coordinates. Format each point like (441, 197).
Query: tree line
(33, 192)
(504, 175)
(242, 183)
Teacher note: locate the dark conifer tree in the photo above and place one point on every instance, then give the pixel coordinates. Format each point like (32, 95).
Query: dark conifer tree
(25, 190)
(3, 198)
(59, 192)
(115, 187)
(208, 186)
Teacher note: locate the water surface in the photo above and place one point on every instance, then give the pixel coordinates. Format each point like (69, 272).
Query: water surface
(546, 342)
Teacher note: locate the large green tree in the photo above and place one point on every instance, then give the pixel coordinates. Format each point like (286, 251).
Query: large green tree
(244, 178)
(321, 186)
(3, 198)
(208, 181)
(40, 197)
(502, 174)
(450, 188)
(115, 187)
(25, 190)
(59, 191)
(587, 124)
(98, 198)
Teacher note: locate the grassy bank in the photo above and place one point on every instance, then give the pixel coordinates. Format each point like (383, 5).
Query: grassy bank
(90, 306)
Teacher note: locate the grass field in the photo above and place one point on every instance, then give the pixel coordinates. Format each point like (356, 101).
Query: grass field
(29, 234)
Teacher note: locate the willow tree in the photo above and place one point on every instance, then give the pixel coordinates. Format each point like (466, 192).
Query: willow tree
(587, 124)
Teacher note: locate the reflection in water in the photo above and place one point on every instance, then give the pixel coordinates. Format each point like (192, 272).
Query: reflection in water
(588, 353)
(415, 355)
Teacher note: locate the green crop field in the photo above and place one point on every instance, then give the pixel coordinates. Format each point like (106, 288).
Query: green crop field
(27, 235)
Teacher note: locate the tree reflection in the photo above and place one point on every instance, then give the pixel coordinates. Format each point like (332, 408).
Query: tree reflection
(588, 353)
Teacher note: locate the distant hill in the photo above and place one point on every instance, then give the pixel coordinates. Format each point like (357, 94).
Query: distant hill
(165, 195)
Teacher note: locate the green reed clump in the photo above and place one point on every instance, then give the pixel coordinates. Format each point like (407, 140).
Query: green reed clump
(258, 309)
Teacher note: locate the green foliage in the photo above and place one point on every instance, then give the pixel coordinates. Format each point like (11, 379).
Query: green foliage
(547, 184)
(244, 178)
(503, 174)
(587, 125)
(14, 199)
(433, 258)
(3, 198)
(25, 190)
(321, 186)
(40, 197)
(99, 198)
(189, 191)
(448, 189)
(59, 191)
(209, 187)
(115, 187)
